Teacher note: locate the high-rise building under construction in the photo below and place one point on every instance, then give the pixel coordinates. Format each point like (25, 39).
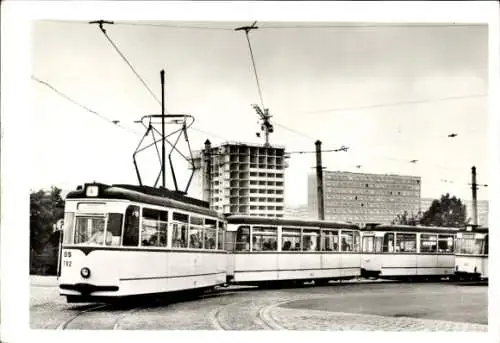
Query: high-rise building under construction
(241, 178)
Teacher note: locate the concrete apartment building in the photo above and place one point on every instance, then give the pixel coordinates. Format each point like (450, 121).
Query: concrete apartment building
(364, 198)
(482, 209)
(244, 178)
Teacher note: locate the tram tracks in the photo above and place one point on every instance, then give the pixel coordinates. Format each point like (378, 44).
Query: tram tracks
(253, 314)
(105, 316)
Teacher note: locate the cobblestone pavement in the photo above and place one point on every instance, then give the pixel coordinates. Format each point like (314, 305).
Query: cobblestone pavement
(360, 307)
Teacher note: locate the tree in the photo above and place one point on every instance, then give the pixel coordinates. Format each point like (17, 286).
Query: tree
(448, 212)
(46, 207)
(407, 219)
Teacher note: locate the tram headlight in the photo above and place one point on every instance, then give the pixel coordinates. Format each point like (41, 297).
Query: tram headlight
(85, 272)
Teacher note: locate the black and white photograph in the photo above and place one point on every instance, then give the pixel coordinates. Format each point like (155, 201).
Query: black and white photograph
(281, 166)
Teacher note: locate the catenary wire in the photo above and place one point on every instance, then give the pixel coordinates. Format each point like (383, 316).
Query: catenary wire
(61, 94)
(399, 103)
(285, 26)
(255, 70)
(130, 65)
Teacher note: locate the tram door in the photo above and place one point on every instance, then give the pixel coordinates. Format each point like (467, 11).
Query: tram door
(371, 246)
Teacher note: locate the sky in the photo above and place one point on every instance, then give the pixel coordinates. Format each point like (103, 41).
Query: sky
(391, 94)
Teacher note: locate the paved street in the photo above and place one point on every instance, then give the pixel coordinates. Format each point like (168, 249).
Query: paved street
(348, 306)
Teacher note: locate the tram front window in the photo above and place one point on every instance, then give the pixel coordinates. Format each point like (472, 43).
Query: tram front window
(91, 230)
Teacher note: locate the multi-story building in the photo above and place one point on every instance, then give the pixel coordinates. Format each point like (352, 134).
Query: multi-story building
(364, 198)
(244, 178)
(482, 209)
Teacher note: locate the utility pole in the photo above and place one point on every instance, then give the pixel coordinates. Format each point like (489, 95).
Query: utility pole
(319, 181)
(474, 197)
(162, 77)
(208, 175)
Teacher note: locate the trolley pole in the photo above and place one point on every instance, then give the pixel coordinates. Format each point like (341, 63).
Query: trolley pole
(474, 197)
(162, 77)
(208, 170)
(319, 181)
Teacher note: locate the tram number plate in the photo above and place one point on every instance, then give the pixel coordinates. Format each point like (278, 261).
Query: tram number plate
(67, 259)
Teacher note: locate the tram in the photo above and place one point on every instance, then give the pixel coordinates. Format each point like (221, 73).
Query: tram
(124, 240)
(407, 252)
(471, 256)
(263, 251)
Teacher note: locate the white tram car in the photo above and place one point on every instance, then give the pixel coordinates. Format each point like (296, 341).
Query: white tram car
(125, 240)
(275, 250)
(471, 257)
(408, 252)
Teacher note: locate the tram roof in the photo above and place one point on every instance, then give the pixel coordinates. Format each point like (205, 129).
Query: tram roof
(475, 230)
(411, 228)
(146, 195)
(251, 220)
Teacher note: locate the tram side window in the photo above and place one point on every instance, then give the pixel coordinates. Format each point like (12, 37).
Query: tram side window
(388, 245)
(356, 241)
(131, 231)
(310, 240)
(221, 235)
(368, 244)
(406, 242)
(290, 239)
(346, 240)
(195, 232)
(243, 238)
(330, 240)
(378, 244)
(264, 238)
(428, 243)
(114, 227)
(179, 230)
(69, 220)
(210, 233)
(485, 251)
(478, 246)
(445, 244)
(154, 228)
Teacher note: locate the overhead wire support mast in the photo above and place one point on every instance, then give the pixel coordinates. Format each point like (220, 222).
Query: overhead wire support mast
(266, 126)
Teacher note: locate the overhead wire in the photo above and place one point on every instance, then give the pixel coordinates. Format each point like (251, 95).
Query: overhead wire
(129, 64)
(286, 25)
(61, 94)
(113, 122)
(255, 69)
(399, 103)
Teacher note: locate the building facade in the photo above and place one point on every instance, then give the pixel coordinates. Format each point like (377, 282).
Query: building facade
(364, 198)
(243, 179)
(482, 209)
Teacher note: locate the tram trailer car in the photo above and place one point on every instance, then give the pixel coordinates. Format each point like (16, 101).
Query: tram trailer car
(471, 256)
(124, 240)
(407, 252)
(264, 251)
